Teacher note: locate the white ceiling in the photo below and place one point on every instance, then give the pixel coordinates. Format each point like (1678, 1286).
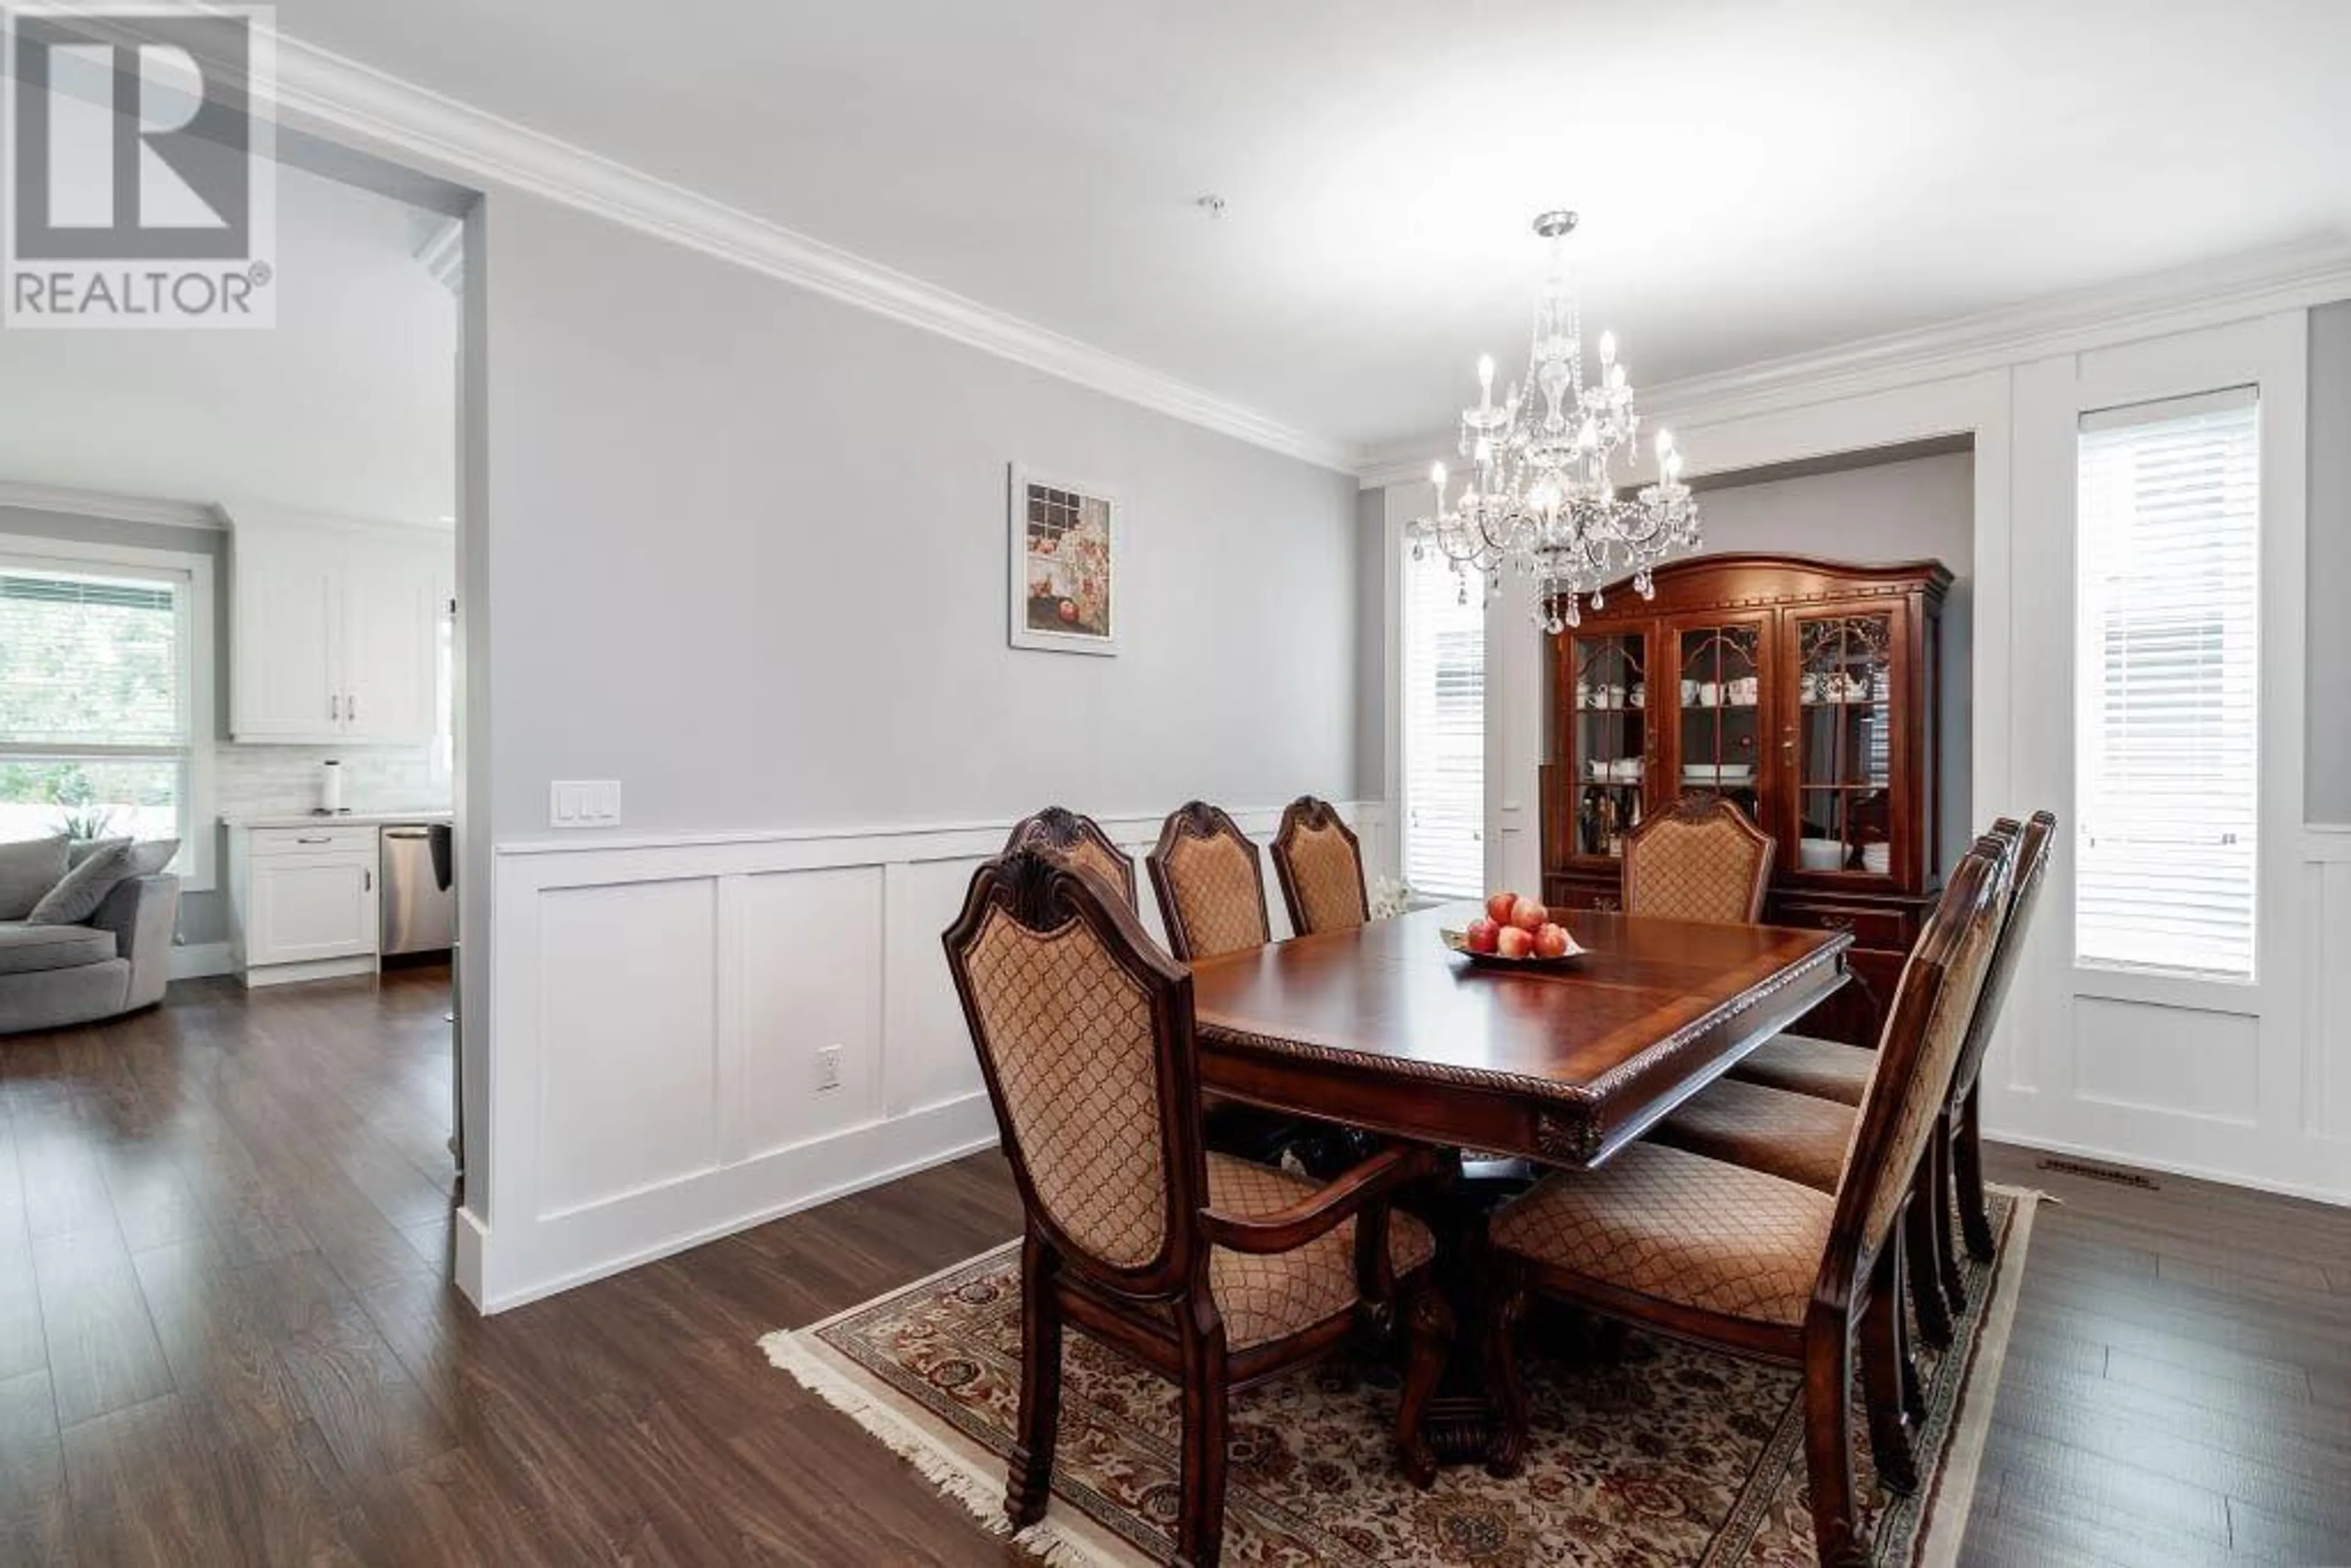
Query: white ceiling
(347, 406)
(1757, 179)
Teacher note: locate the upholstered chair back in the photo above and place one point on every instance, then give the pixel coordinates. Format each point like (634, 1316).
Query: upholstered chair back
(1079, 839)
(1321, 868)
(1084, 1029)
(2033, 842)
(1701, 861)
(1919, 1048)
(1210, 883)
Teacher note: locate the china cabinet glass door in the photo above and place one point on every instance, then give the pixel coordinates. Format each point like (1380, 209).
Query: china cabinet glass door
(1721, 711)
(1608, 753)
(1845, 738)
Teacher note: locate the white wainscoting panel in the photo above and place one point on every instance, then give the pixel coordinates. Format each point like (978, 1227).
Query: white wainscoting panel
(629, 1100)
(657, 1010)
(812, 968)
(930, 1057)
(2177, 1060)
(2326, 919)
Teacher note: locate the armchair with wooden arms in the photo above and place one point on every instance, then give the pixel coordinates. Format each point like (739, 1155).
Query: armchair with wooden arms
(1212, 1272)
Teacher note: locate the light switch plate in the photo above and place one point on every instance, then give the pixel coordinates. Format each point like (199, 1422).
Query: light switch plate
(583, 802)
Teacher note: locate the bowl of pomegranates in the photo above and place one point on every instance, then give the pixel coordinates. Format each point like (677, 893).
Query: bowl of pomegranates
(1514, 933)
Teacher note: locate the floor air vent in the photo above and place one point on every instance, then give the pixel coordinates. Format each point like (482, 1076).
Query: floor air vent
(2114, 1174)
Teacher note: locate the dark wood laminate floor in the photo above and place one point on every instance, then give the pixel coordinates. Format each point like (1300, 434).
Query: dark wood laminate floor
(225, 1337)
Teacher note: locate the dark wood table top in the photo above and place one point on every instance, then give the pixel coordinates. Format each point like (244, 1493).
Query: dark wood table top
(1383, 1027)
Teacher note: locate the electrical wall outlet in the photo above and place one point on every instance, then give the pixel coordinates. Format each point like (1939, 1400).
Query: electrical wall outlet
(827, 1068)
(583, 802)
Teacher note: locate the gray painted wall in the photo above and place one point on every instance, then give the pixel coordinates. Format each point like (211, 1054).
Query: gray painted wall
(746, 555)
(1920, 509)
(2326, 764)
(1372, 696)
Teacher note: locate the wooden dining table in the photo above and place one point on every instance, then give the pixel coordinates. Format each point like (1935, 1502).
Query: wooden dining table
(1385, 1027)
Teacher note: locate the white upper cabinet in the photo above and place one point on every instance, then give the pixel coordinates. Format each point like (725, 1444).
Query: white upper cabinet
(331, 634)
(389, 623)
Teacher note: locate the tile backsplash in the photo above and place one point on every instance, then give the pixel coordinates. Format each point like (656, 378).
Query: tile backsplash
(276, 780)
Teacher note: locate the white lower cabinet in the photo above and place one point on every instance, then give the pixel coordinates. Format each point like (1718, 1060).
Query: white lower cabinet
(305, 901)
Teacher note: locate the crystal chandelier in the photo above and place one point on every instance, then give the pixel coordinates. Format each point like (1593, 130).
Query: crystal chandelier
(1540, 498)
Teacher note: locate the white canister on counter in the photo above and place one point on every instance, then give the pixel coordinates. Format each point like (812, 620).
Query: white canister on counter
(330, 786)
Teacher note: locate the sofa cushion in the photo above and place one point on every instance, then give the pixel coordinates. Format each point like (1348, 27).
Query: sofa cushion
(27, 871)
(26, 949)
(150, 856)
(77, 898)
(81, 850)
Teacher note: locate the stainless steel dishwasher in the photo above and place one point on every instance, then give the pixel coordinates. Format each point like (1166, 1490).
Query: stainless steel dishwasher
(418, 914)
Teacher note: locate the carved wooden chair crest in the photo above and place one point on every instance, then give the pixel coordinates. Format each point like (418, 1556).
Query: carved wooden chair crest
(1078, 839)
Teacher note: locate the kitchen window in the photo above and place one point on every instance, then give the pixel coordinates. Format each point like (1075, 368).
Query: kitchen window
(104, 709)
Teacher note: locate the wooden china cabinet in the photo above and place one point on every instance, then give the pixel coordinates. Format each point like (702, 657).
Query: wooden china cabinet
(1805, 691)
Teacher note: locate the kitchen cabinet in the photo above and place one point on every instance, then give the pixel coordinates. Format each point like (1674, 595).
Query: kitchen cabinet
(305, 901)
(1807, 693)
(332, 633)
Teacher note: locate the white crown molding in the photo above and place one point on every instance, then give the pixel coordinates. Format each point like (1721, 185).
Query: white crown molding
(112, 507)
(343, 96)
(2233, 288)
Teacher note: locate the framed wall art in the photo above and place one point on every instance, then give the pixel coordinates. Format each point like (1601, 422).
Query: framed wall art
(1064, 540)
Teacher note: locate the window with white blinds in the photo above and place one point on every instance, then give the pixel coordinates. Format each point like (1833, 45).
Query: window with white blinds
(2167, 689)
(1444, 730)
(95, 702)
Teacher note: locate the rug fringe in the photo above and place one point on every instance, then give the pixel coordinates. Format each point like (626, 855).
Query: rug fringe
(981, 1492)
(1946, 1525)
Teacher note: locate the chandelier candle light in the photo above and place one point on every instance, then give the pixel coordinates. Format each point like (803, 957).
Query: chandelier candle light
(1540, 499)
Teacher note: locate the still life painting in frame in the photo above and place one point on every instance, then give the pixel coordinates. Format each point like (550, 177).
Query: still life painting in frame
(1064, 540)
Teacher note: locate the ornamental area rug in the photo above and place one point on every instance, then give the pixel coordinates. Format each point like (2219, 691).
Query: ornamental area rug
(1660, 1454)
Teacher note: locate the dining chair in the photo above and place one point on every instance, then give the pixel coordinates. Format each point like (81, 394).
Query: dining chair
(1211, 1271)
(1731, 1257)
(1808, 1139)
(1321, 868)
(1078, 839)
(1703, 860)
(1210, 883)
(1959, 1147)
(1743, 1118)
(1211, 889)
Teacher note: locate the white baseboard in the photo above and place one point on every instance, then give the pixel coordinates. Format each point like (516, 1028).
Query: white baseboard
(555, 1256)
(2334, 1194)
(257, 977)
(472, 1239)
(200, 960)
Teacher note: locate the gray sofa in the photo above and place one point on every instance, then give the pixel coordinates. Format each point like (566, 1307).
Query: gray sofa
(51, 975)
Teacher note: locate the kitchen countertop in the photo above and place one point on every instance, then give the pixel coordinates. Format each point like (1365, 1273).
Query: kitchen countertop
(368, 819)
